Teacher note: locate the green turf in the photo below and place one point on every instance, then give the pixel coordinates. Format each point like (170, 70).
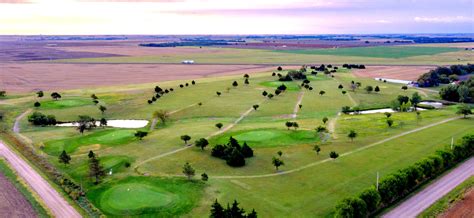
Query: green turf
(378, 51)
(147, 196)
(270, 137)
(65, 103)
(102, 137)
(290, 86)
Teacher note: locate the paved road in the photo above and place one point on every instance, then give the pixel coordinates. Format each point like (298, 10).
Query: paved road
(419, 202)
(55, 202)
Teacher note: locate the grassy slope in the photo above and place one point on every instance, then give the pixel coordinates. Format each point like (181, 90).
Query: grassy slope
(449, 199)
(33, 200)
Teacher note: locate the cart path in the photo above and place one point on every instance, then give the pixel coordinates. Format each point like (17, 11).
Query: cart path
(297, 105)
(225, 129)
(342, 155)
(422, 200)
(155, 120)
(55, 202)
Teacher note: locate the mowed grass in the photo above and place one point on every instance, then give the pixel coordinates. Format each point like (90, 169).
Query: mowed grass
(313, 192)
(269, 137)
(147, 196)
(106, 137)
(376, 51)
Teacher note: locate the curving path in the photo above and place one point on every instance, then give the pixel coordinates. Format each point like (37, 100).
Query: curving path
(225, 129)
(422, 200)
(55, 202)
(297, 105)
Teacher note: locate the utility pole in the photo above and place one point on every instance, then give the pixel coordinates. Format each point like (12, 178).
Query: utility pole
(377, 180)
(452, 142)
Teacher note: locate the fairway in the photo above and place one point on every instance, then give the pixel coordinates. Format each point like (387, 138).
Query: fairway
(270, 137)
(377, 52)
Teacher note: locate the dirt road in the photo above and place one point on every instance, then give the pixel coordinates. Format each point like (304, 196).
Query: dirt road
(419, 202)
(58, 206)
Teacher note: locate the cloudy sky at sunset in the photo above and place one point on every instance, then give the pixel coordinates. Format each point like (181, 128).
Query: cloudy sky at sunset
(235, 16)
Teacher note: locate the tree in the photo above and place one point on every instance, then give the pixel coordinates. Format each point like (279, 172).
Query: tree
(280, 153)
(389, 122)
(235, 84)
(37, 104)
(91, 154)
(188, 171)
(217, 211)
(351, 207)
(344, 92)
(317, 149)
(162, 115)
(193, 82)
(96, 102)
(255, 106)
(325, 119)
(246, 81)
(371, 197)
(295, 125)
(252, 214)
(140, 134)
(404, 88)
(202, 143)
(340, 86)
(277, 162)
(415, 99)
(40, 94)
(322, 92)
(246, 150)
(270, 96)
(3, 93)
(352, 134)
(264, 93)
(236, 158)
(333, 155)
(185, 138)
(102, 108)
(369, 89)
(300, 106)
(103, 122)
(377, 89)
(93, 96)
(55, 95)
(277, 92)
(219, 125)
(464, 109)
(96, 171)
(388, 114)
(218, 93)
(289, 124)
(279, 68)
(64, 158)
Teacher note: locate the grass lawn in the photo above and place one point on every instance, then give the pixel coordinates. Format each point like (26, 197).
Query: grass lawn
(157, 197)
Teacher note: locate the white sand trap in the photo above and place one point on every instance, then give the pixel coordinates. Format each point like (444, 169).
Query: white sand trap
(434, 104)
(129, 124)
(390, 110)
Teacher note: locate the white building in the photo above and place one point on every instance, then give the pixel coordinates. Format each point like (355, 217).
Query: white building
(187, 62)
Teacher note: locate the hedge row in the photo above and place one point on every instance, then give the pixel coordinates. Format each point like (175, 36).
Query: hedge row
(73, 190)
(398, 185)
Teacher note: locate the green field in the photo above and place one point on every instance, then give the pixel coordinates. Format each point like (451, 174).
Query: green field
(377, 52)
(383, 55)
(144, 177)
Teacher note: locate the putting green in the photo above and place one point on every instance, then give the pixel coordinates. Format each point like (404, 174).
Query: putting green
(147, 196)
(270, 137)
(102, 137)
(52, 104)
(290, 86)
(135, 196)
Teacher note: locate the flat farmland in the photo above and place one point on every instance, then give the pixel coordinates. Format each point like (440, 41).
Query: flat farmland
(393, 72)
(27, 77)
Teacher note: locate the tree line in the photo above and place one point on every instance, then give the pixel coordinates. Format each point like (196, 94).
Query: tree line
(444, 75)
(397, 185)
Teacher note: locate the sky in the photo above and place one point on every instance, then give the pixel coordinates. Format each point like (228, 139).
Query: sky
(73, 17)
